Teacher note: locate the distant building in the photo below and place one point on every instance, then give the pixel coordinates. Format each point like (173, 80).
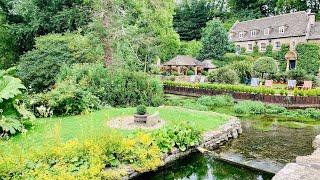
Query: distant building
(291, 29)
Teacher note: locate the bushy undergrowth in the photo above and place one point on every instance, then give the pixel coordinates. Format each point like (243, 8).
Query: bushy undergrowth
(88, 159)
(86, 87)
(250, 107)
(181, 136)
(215, 101)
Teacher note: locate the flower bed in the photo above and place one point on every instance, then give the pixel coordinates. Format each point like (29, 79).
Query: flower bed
(301, 98)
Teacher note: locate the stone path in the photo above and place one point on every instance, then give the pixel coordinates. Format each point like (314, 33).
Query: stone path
(127, 122)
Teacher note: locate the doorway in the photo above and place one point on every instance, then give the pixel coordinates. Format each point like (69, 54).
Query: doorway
(292, 64)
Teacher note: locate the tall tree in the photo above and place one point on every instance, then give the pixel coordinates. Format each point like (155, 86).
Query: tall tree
(190, 18)
(215, 41)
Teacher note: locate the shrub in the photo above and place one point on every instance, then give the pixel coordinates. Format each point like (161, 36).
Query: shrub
(224, 75)
(13, 114)
(190, 72)
(84, 87)
(205, 73)
(182, 136)
(265, 65)
(216, 101)
(297, 74)
(141, 110)
(243, 69)
(39, 67)
(274, 109)
(280, 56)
(250, 107)
(229, 58)
(308, 57)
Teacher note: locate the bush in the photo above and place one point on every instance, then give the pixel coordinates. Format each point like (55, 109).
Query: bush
(275, 109)
(205, 73)
(229, 58)
(216, 101)
(84, 87)
(265, 65)
(190, 72)
(243, 69)
(224, 75)
(141, 110)
(280, 56)
(39, 67)
(250, 107)
(182, 136)
(297, 74)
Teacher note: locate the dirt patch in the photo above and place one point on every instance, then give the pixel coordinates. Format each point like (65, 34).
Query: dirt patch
(127, 122)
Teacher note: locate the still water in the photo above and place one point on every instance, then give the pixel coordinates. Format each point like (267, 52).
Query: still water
(266, 139)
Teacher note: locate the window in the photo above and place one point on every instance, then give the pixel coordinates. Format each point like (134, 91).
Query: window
(266, 31)
(278, 44)
(263, 46)
(253, 33)
(241, 34)
(250, 47)
(281, 29)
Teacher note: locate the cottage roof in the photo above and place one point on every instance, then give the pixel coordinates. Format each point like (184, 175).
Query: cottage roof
(208, 64)
(295, 24)
(183, 61)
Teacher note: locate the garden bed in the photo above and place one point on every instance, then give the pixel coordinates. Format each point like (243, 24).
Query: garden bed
(287, 101)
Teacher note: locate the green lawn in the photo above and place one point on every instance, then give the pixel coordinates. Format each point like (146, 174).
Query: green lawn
(50, 130)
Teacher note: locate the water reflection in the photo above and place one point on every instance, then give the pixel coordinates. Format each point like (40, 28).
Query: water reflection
(198, 166)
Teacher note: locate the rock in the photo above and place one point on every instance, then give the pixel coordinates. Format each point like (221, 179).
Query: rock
(312, 159)
(294, 171)
(316, 142)
(235, 134)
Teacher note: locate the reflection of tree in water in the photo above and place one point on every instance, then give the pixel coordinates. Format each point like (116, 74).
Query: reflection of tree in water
(198, 166)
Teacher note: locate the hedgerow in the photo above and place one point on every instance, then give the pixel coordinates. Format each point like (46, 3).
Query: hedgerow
(308, 57)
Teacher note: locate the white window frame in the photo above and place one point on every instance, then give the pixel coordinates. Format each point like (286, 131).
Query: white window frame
(241, 34)
(281, 29)
(250, 45)
(264, 48)
(266, 31)
(253, 33)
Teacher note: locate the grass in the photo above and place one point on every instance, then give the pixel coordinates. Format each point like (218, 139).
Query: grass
(50, 130)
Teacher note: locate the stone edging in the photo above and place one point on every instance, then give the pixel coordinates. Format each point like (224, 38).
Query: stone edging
(211, 140)
(305, 167)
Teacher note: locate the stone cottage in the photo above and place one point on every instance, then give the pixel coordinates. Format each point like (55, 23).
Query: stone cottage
(291, 29)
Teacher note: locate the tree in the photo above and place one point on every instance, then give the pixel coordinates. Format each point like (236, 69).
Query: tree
(190, 17)
(224, 75)
(265, 65)
(215, 41)
(38, 68)
(32, 18)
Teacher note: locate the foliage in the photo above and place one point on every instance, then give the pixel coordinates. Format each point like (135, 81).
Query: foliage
(308, 57)
(216, 101)
(224, 75)
(190, 17)
(139, 31)
(215, 41)
(29, 19)
(13, 114)
(84, 160)
(280, 56)
(39, 67)
(243, 69)
(190, 72)
(182, 136)
(191, 48)
(265, 65)
(250, 107)
(224, 88)
(141, 110)
(274, 109)
(229, 58)
(269, 51)
(84, 87)
(298, 74)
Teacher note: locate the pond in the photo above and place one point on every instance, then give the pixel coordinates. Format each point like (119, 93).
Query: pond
(270, 140)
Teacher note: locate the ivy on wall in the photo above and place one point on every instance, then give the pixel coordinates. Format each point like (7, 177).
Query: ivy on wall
(279, 56)
(308, 57)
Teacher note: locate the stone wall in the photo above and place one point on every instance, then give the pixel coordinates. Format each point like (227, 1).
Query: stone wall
(305, 167)
(211, 140)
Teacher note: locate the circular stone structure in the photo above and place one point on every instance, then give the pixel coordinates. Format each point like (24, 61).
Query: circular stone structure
(128, 122)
